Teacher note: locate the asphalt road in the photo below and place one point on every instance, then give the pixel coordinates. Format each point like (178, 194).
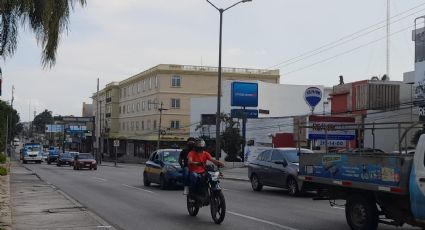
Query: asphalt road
(118, 196)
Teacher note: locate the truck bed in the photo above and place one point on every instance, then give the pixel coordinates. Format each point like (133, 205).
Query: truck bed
(370, 171)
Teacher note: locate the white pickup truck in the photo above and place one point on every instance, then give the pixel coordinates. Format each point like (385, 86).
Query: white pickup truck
(32, 152)
(378, 188)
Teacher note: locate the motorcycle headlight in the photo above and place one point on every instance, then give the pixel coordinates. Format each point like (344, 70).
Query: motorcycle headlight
(214, 175)
(170, 168)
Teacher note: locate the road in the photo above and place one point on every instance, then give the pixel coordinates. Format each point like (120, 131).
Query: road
(118, 196)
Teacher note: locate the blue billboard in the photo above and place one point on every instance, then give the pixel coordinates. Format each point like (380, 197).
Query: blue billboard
(244, 94)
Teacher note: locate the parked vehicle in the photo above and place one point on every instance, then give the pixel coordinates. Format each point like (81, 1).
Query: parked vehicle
(377, 187)
(53, 155)
(209, 193)
(277, 167)
(163, 168)
(66, 158)
(84, 160)
(32, 153)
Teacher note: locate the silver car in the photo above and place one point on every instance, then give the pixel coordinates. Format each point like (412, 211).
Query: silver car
(277, 167)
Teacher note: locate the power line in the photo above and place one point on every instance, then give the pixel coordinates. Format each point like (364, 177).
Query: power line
(348, 36)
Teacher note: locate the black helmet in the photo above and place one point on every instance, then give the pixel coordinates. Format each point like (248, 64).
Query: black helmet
(199, 144)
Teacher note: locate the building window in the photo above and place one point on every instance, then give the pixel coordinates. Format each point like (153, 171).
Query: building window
(128, 108)
(143, 125)
(175, 124)
(123, 109)
(149, 105)
(156, 103)
(175, 81)
(127, 126)
(125, 92)
(122, 93)
(120, 109)
(144, 84)
(138, 87)
(137, 125)
(154, 124)
(138, 107)
(148, 125)
(150, 83)
(132, 126)
(175, 103)
(156, 82)
(143, 105)
(132, 108)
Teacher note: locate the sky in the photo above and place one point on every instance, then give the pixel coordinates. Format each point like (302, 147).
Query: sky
(113, 40)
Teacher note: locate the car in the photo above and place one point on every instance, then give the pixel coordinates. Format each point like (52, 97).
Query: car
(163, 168)
(53, 154)
(84, 160)
(32, 153)
(66, 158)
(277, 167)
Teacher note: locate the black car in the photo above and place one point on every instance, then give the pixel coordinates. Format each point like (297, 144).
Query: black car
(163, 168)
(66, 158)
(277, 167)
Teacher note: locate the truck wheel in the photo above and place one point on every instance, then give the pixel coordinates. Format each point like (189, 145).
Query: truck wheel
(49, 162)
(361, 214)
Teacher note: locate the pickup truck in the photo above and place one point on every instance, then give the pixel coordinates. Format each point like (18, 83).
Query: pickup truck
(32, 152)
(53, 155)
(384, 188)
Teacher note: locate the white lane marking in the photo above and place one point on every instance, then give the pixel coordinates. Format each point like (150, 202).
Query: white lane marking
(336, 207)
(144, 190)
(105, 226)
(261, 220)
(98, 178)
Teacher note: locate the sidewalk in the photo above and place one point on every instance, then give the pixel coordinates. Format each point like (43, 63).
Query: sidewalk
(37, 205)
(240, 174)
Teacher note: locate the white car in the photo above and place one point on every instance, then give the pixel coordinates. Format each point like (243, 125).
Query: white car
(34, 154)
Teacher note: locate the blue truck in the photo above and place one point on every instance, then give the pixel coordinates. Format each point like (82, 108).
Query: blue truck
(32, 152)
(53, 154)
(384, 188)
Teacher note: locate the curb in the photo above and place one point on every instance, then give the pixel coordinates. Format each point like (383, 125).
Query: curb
(6, 214)
(100, 220)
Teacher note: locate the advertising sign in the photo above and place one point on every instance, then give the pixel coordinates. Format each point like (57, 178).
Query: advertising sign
(312, 96)
(239, 113)
(331, 128)
(54, 128)
(244, 94)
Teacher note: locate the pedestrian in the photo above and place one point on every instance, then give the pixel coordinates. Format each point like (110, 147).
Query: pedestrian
(184, 164)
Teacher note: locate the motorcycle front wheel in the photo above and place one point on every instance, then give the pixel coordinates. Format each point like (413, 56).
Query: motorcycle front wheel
(192, 205)
(218, 207)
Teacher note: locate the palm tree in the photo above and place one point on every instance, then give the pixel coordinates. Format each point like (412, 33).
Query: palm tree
(46, 18)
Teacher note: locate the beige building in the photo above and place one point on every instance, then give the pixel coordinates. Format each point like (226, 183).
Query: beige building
(129, 110)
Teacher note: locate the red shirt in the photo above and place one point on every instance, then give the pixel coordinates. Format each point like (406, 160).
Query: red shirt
(198, 157)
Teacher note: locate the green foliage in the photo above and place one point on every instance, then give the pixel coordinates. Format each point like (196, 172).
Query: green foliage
(3, 171)
(41, 120)
(2, 159)
(48, 19)
(231, 139)
(7, 113)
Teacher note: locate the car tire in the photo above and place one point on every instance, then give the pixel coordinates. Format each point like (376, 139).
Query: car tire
(24, 162)
(146, 181)
(292, 187)
(95, 168)
(59, 165)
(162, 182)
(49, 162)
(361, 213)
(255, 183)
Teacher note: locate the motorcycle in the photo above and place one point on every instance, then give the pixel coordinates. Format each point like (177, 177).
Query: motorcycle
(208, 193)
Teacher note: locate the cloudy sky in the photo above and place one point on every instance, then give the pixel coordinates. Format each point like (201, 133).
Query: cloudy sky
(115, 39)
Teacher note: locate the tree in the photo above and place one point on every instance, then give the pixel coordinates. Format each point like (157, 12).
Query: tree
(7, 113)
(41, 120)
(46, 18)
(231, 138)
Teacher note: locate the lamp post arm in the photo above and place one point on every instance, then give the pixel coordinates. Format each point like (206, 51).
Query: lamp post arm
(213, 5)
(233, 5)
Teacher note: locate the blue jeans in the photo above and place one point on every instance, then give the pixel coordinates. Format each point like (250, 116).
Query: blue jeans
(186, 179)
(194, 181)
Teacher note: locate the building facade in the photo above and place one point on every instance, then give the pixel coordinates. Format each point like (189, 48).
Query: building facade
(129, 110)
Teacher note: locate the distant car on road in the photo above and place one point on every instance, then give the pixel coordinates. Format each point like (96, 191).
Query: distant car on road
(53, 155)
(163, 168)
(66, 158)
(32, 153)
(277, 167)
(84, 160)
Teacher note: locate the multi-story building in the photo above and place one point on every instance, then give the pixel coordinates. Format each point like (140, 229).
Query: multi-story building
(129, 110)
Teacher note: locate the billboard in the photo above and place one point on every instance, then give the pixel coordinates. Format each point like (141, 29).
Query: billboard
(331, 128)
(54, 128)
(244, 94)
(312, 96)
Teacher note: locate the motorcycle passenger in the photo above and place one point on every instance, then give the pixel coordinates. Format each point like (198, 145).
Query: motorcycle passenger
(197, 159)
(183, 163)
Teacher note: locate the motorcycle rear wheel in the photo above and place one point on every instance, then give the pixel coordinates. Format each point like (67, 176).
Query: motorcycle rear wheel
(192, 205)
(218, 207)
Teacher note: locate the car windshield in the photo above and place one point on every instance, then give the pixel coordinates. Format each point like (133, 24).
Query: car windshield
(34, 148)
(170, 156)
(85, 156)
(292, 156)
(66, 155)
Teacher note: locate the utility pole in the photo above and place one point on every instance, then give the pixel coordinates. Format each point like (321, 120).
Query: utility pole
(97, 133)
(7, 131)
(160, 109)
(11, 116)
(388, 39)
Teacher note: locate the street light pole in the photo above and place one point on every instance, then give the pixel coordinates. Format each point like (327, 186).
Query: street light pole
(218, 120)
(160, 109)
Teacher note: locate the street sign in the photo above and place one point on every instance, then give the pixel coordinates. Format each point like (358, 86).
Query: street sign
(116, 143)
(239, 113)
(312, 96)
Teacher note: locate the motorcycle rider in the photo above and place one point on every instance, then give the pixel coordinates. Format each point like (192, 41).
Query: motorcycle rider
(183, 163)
(197, 159)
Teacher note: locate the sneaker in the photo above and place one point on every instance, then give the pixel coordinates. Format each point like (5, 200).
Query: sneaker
(186, 190)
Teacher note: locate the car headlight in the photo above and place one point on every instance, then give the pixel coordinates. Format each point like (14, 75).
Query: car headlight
(170, 168)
